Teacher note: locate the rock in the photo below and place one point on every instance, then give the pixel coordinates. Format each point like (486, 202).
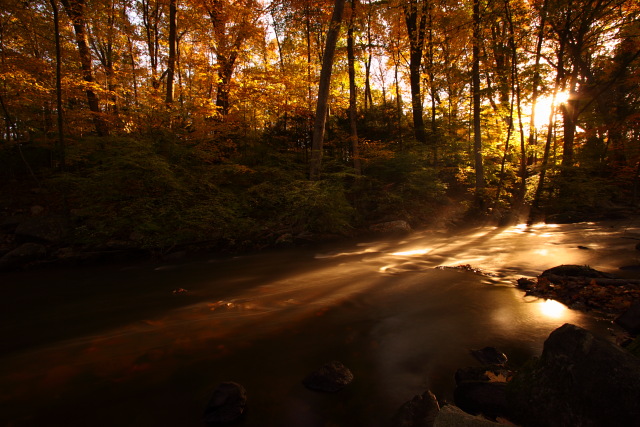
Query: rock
(452, 416)
(483, 373)
(285, 239)
(398, 226)
(24, 253)
(36, 210)
(490, 356)
(579, 380)
(49, 229)
(487, 398)
(331, 377)
(630, 319)
(420, 411)
(226, 405)
(574, 271)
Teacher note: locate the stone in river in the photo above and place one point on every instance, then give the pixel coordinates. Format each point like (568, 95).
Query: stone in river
(331, 377)
(226, 405)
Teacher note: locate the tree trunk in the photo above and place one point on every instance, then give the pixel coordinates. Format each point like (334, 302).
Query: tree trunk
(323, 89)
(60, 146)
(477, 136)
(75, 11)
(172, 50)
(536, 75)
(353, 108)
(416, 28)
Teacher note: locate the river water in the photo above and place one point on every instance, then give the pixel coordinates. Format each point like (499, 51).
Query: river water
(122, 346)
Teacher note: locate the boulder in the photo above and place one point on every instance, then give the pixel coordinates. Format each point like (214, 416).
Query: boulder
(420, 411)
(24, 253)
(579, 380)
(630, 319)
(399, 226)
(480, 397)
(331, 377)
(452, 416)
(227, 404)
(50, 229)
(570, 270)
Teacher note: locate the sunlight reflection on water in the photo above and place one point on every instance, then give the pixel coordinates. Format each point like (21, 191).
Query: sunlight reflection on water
(553, 309)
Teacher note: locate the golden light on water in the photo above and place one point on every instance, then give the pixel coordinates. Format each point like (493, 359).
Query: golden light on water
(412, 252)
(553, 309)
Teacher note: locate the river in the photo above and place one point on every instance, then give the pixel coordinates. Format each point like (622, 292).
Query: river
(123, 345)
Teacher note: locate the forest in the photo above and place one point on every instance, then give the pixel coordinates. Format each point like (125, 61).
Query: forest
(239, 124)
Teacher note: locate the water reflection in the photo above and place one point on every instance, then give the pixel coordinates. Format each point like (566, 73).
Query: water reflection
(554, 309)
(268, 320)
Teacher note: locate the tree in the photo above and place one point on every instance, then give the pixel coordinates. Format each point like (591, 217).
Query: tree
(416, 17)
(171, 65)
(353, 107)
(475, 82)
(76, 11)
(323, 89)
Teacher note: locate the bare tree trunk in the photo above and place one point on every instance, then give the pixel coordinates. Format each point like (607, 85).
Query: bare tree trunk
(536, 74)
(416, 27)
(61, 143)
(172, 50)
(75, 10)
(477, 136)
(353, 107)
(323, 89)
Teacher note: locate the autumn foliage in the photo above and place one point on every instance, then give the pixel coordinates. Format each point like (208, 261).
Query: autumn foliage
(192, 120)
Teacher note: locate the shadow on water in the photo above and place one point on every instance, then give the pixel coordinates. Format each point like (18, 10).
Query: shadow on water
(116, 346)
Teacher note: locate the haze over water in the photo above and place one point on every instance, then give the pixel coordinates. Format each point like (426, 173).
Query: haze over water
(115, 345)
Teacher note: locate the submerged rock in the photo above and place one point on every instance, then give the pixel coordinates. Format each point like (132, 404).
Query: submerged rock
(490, 356)
(421, 411)
(331, 377)
(580, 380)
(226, 405)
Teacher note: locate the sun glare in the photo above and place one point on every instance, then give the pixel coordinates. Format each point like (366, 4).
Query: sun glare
(543, 107)
(553, 309)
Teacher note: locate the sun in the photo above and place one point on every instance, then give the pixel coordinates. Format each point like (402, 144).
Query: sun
(543, 107)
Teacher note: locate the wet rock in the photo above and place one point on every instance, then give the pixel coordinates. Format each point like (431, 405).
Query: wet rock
(227, 404)
(584, 288)
(574, 271)
(398, 226)
(483, 373)
(48, 229)
(331, 377)
(487, 398)
(580, 380)
(27, 252)
(490, 356)
(630, 319)
(452, 416)
(420, 411)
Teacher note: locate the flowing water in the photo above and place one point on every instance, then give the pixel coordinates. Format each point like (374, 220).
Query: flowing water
(123, 346)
